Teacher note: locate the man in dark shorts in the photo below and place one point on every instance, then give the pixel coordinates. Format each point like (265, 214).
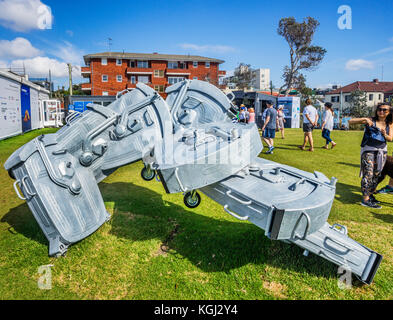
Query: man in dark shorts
(269, 126)
(310, 120)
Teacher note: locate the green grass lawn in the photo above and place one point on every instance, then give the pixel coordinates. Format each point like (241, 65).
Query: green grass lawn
(154, 247)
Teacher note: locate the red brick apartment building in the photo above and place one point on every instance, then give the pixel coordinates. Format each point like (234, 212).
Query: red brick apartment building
(111, 72)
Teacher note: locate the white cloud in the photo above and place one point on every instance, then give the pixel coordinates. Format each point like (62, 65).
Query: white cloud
(25, 15)
(378, 52)
(207, 48)
(357, 64)
(40, 66)
(67, 52)
(17, 48)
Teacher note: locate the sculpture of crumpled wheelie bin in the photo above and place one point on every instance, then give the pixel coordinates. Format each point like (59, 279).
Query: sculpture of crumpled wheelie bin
(190, 142)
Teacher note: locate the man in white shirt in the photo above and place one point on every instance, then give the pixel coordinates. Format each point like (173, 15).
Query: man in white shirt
(310, 120)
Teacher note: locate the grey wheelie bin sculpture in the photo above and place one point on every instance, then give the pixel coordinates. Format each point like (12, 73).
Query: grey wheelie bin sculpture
(188, 142)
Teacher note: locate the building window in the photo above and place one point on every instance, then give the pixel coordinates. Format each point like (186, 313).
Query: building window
(104, 78)
(159, 88)
(104, 93)
(133, 79)
(104, 61)
(172, 65)
(173, 80)
(207, 64)
(143, 79)
(335, 99)
(158, 73)
(195, 64)
(195, 78)
(132, 64)
(380, 97)
(370, 97)
(182, 65)
(119, 62)
(119, 78)
(143, 64)
(347, 98)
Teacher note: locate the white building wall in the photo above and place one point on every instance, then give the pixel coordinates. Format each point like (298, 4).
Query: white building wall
(10, 108)
(261, 79)
(10, 104)
(373, 98)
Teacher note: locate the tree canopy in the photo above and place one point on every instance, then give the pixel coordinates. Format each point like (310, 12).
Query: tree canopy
(303, 55)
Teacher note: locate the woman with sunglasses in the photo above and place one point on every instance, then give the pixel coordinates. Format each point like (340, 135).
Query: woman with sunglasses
(378, 130)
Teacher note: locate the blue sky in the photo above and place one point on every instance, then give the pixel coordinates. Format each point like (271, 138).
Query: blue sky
(235, 31)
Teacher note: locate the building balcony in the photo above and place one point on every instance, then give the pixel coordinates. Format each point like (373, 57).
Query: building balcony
(177, 72)
(85, 72)
(133, 85)
(140, 71)
(86, 86)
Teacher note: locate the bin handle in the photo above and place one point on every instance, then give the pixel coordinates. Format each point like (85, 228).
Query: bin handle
(343, 229)
(17, 191)
(307, 226)
(24, 184)
(234, 214)
(229, 194)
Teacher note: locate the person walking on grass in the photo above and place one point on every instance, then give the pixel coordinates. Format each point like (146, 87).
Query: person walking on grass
(269, 127)
(281, 120)
(310, 120)
(327, 125)
(378, 130)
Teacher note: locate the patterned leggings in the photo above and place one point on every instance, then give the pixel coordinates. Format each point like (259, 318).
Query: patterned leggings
(370, 173)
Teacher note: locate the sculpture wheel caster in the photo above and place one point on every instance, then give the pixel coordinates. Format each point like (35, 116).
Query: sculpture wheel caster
(148, 174)
(192, 199)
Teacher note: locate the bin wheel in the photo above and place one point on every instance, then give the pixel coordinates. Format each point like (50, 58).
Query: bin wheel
(192, 200)
(148, 174)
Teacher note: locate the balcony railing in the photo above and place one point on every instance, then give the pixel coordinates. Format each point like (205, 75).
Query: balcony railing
(140, 70)
(86, 86)
(85, 70)
(178, 71)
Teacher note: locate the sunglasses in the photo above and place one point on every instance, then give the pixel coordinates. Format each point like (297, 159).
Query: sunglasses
(383, 110)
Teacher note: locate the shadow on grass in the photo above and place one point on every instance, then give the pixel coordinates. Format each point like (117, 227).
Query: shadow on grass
(22, 221)
(347, 193)
(350, 164)
(211, 244)
(384, 217)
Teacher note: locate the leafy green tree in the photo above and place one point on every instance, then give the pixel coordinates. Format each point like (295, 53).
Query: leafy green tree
(357, 105)
(303, 55)
(243, 76)
(305, 93)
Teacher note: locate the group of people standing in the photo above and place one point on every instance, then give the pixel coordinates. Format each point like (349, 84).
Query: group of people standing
(246, 115)
(274, 119)
(375, 164)
(310, 121)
